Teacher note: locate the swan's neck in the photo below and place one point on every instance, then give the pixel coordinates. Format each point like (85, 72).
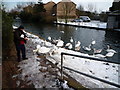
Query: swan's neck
(108, 47)
(89, 46)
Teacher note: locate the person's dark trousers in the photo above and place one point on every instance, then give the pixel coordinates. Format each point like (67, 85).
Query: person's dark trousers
(21, 48)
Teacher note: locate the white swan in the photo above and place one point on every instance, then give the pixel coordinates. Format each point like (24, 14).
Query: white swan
(109, 54)
(54, 41)
(41, 49)
(37, 48)
(62, 31)
(70, 47)
(64, 85)
(87, 48)
(49, 38)
(60, 43)
(110, 50)
(68, 44)
(93, 42)
(47, 44)
(77, 46)
(71, 40)
(99, 56)
(54, 51)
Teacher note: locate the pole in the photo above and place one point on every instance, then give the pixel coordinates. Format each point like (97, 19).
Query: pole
(61, 66)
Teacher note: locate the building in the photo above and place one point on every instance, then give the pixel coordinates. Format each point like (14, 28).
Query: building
(63, 10)
(49, 8)
(28, 9)
(115, 5)
(66, 9)
(114, 20)
(50, 11)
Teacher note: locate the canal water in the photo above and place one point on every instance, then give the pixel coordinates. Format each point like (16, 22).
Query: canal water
(84, 35)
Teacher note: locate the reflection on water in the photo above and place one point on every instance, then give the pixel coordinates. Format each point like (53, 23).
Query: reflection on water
(84, 35)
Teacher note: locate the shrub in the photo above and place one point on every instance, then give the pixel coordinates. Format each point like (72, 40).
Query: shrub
(7, 34)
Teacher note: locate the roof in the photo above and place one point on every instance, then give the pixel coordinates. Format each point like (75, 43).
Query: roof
(50, 2)
(66, 1)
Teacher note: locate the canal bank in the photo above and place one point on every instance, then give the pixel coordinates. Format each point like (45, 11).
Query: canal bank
(77, 24)
(76, 64)
(89, 25)
(36, 72)
(56, 58)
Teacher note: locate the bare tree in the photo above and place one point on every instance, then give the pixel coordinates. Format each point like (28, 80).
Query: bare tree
(81, 8)
(92, 7)
(68, 8)
(100, 10)
(19, 7)
(30, 3)
(95, 9)
(2, 6)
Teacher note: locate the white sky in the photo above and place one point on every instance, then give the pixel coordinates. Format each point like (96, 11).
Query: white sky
(58, 0)
(101, 5)
(77, 1)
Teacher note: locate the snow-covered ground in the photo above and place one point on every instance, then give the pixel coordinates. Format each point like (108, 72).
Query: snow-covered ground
(106, 71)
(96, 24)
(37, 71)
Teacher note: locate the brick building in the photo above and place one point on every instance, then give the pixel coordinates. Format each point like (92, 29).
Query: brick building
(65, 9)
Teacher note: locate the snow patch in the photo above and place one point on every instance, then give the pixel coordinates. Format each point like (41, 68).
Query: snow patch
(96, 24)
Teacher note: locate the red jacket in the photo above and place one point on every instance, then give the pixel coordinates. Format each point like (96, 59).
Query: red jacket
(22, 42)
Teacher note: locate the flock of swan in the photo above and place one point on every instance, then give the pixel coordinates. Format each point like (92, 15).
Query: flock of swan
(60, 43)
(69, 45)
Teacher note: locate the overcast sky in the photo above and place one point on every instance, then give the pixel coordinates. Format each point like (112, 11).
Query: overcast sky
(101, 5)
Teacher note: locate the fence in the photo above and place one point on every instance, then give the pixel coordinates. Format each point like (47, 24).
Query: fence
(91, 58)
